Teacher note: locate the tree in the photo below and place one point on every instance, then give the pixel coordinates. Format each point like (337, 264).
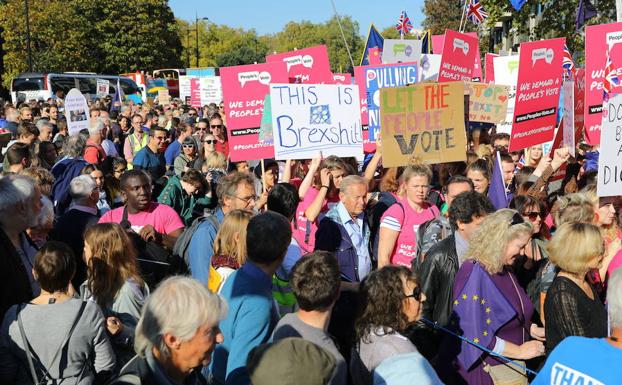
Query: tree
(443, 14)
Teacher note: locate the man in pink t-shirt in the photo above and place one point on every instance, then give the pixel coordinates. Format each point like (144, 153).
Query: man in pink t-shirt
(152, 221)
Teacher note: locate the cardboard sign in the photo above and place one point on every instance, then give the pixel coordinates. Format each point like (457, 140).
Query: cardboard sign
(488, 103)
(424, 121)
(103, 87)
(596, 47)
(490, 68)
(401, 51)
(385, 76)
(307, 119)
(306, 66)
(506, 73)
(429, 67)
(244, 89)
(609, 166)
(211, 90)
(459, 54)
(342, 78)
(568, 126)
(537, 97)
(164, 98)
(77, 111)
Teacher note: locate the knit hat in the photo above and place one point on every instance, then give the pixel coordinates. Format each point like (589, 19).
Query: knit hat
(290, 361)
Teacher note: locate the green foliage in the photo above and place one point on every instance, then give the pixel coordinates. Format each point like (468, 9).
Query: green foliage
(445, 14)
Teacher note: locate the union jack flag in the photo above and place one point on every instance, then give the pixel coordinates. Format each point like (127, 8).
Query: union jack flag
(611, 78)
(568, 64)
(476, 12)
(404, 25)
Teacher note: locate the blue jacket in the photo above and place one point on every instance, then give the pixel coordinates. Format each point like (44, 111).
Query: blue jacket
(64, 172)
(201, 248)
(332, 236)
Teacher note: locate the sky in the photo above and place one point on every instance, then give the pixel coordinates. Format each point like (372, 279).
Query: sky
(270, 16)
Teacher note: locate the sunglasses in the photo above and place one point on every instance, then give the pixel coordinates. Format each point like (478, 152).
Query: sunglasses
(216, 125)
(416, 294)
(517, 219)
(532, 215)
(209, 141)
(188, 145)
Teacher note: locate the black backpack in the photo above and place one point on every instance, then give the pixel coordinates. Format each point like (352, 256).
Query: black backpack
(182, 244)
(379, 203)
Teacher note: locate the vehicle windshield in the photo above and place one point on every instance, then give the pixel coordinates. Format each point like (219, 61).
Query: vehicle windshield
(28, 84)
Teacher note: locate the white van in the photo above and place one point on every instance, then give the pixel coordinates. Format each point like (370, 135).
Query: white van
(42, 86)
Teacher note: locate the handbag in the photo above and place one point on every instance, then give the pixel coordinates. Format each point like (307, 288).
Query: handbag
(46, 378)
(155, 262)
(507, 374)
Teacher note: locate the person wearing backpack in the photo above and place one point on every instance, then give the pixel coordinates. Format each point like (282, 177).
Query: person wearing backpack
(55, 338)
(236, 191)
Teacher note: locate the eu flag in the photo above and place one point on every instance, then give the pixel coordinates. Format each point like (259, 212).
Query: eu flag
(518, 4)
(481, 310)
(374, 40)
(497, 191)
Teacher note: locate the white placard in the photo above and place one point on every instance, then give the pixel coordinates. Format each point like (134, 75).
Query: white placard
(401, 51)
(185, 88)
(103, 87)
(568, 135)
(609, 165)
(506, 73)
(211, 90)
(429, 67)
(311, 118)
(77, 111)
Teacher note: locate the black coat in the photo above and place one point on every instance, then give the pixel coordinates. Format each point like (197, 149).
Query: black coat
(14, 282)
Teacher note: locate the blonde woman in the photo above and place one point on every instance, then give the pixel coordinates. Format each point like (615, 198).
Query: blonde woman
(533, 155)
(113, 282)
(572, 306)
(229, 247)
(490, 307)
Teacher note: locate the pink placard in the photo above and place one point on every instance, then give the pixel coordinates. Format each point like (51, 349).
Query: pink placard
(595, 62)
(307, 65)
(195, 92)
(342, 78)
(437, 44)
(359, 79)
(459, 56)
(537, 97)
(490, 67)
(244, 89)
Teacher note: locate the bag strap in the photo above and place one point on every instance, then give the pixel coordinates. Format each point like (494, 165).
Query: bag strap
(125, 223)
(31, 366)
(28, 348)
(520, 298)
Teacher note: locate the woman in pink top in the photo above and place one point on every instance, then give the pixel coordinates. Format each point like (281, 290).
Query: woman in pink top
(398, 227)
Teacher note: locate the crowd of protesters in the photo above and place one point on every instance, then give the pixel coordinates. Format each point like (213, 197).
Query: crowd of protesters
(136, 252)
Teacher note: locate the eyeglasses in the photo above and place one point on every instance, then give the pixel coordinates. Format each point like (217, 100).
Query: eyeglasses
(216, 125)
(209, 141)
(532, 215)
(416, 294)
(247, 200)
(517, 219)
(192, 114)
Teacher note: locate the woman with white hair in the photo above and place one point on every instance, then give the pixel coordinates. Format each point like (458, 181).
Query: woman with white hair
(176, 334)
(490, 308)
(590, 360)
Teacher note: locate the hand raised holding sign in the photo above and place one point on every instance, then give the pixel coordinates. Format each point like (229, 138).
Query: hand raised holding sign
(560, 156)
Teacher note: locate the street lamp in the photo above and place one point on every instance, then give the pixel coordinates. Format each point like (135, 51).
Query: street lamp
(196, 25)
(28, 36)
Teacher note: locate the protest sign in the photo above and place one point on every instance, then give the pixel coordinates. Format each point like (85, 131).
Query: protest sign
(609, 166)
(488, 103)
(307, 66)
(506, 73)
(385, 76)
(359, 80)
(195, 92)
(568, 125)
(201, 72)
(185, 89)
(244, 89)
(211, 90)
(77, 111)
(429, 66)
(309, 118)
(265, 128)
(579, 103)
(490, 68)
(596, 47)
(164, 98)
(537, 97)
(425, 121)
(401, 51)
(459, 54)
(342, 78)
(103, 87)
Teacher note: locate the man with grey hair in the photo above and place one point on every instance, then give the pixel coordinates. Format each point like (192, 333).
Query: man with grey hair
(580, 360)
(20, 204)
(65, 170)
(45, 130)
(176, 335)
(81, 215)
(94, 152)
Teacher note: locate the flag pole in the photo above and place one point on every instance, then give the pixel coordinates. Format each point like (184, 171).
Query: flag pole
(463, 16)
(343, 36)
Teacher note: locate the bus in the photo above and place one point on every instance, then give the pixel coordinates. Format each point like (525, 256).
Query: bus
(42, 86)
(172, 79)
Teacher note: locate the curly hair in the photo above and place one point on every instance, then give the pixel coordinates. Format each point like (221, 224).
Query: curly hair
(382, 295)
(488, 244)
(577, 207)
